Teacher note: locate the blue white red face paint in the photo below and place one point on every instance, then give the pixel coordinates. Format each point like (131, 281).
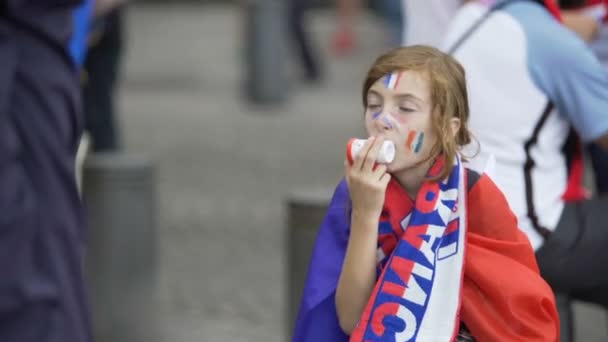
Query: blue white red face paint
(387, 123)
(391, 81)
(414, 141)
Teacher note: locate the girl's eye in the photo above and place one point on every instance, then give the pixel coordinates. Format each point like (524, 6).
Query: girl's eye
(373, 106)
(406, 109)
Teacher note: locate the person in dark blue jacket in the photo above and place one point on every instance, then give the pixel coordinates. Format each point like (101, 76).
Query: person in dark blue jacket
(42, 228)
(82, 17)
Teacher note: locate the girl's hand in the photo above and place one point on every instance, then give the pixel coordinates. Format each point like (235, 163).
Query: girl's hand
(367, 181)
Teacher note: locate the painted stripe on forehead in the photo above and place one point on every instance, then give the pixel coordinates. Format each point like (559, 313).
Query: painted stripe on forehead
(387, 80)
(391, 81)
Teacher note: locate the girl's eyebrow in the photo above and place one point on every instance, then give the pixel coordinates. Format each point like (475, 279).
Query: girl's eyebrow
(374, 93)
(409, 96)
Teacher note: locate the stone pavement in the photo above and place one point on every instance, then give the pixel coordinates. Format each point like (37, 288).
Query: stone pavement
(225, 167)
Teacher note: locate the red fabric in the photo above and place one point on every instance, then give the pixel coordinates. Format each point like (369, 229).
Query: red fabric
(575, 191)
(553, 7)
(504, 297)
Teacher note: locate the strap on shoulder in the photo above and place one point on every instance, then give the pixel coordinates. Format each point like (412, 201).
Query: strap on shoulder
(472, 178)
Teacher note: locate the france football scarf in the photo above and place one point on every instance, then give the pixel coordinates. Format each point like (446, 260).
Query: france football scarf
(421, 254)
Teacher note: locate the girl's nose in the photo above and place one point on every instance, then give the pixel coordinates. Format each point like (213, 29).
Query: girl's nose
(384, 122)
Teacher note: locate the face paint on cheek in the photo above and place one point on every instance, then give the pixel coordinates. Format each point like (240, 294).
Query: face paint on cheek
(376, 115)
(419, 143)
(391, 81)
(414, 141)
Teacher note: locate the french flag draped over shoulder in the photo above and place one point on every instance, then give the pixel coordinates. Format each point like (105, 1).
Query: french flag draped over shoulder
(454, 256)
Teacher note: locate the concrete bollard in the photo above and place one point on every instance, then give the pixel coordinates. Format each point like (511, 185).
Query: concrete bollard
(305, 211)
(265, 40)
(119, 193)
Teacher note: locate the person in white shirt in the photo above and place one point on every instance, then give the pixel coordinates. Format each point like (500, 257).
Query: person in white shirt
(427, 20)
(531, 80)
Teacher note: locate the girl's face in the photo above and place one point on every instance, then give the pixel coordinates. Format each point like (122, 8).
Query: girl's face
(399, 109)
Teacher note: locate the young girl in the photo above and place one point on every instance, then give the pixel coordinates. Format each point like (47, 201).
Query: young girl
(421, 249)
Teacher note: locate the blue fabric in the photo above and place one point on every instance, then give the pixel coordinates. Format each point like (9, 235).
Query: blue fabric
(321, 323)
(565, 69)
(600, 44)
(82, 22)
(317, 318)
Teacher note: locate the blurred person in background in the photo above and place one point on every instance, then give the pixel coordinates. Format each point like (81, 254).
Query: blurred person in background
(392, 12)
(585, 23)
(389, 260)
(531, 80)
(101, 71)
(301, 40)
(427, 21)
(599, 45)
(80, 36)
(344, 39)
(589, 18)
(42, 242)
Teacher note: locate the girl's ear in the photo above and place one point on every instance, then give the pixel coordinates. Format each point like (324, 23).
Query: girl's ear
(455, 126)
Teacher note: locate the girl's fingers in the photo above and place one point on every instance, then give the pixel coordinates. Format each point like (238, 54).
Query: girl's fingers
(385, 179)
(361, 156)
(372, 155)
(380, 170)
